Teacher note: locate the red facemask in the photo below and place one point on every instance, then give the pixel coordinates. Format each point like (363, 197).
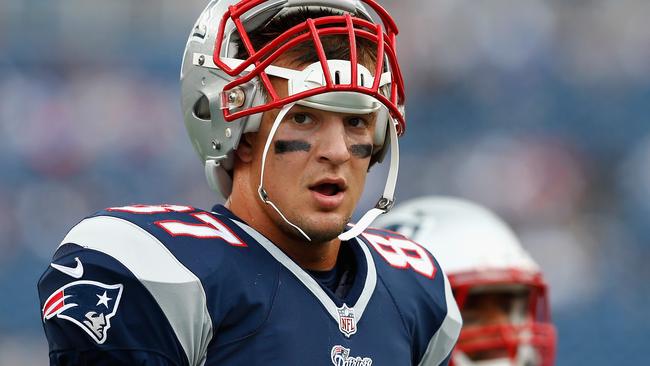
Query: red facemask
(505, 314)
(382, 34)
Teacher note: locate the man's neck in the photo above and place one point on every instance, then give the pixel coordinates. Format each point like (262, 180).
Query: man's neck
(308, 255)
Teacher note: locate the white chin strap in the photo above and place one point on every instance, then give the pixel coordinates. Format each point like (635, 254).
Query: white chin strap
(383, 205)
(260, 190)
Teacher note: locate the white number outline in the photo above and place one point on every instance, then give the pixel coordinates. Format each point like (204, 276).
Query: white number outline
(398, 256)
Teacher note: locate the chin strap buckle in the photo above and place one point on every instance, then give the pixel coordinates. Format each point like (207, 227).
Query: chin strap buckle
(263, 195)
(385, 204)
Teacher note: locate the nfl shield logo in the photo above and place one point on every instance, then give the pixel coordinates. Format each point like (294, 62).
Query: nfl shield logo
(347, 323)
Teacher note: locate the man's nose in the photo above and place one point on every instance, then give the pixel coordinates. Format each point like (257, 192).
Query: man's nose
(333, 145)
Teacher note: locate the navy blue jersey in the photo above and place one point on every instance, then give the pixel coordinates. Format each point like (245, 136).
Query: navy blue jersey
(172, 285)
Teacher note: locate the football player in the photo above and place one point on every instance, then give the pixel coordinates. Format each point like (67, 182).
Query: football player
(288, 104)
(500, 290)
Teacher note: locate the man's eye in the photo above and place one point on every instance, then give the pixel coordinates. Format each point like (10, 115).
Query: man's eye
(301, 118)
(356, 122)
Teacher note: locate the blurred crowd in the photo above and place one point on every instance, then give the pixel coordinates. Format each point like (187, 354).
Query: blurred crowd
(537, 109)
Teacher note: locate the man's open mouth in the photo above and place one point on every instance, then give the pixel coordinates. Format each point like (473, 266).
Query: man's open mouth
(328, 188)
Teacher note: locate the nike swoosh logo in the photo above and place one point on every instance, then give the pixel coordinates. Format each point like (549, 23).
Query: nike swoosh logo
(75, 272)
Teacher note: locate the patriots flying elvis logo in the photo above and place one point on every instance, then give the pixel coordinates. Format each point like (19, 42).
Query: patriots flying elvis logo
(88, 304)
(341, 357)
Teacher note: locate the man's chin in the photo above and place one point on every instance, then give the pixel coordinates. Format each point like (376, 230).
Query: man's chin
(319, 231)
(318, 237)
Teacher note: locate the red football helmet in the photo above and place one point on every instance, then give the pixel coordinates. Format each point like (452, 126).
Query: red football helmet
(499, 289)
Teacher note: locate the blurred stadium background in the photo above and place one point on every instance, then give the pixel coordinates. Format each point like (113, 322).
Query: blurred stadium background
(537, 109)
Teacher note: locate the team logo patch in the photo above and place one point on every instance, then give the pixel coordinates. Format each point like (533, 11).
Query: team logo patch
(341, 357)
(347, 323)
(88, 304)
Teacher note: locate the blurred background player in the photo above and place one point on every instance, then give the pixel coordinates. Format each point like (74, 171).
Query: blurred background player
(499, 288)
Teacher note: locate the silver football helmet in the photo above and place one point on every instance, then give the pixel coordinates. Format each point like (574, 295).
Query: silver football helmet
(499, 288)
(223, 96)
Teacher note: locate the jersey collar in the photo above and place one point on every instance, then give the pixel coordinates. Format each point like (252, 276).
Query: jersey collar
(366, 272)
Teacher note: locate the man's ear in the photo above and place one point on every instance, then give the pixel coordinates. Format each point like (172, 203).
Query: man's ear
(244, 150)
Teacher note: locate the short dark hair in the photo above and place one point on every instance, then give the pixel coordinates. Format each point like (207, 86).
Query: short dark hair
(335, 46)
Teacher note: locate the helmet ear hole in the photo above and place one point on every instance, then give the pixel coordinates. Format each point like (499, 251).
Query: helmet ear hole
(202, 108)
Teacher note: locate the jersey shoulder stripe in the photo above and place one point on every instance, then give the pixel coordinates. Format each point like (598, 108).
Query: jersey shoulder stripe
(96, 312)
(161, 272)
(444, 339)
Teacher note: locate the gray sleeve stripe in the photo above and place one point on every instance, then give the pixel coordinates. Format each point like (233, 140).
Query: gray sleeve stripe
(444, 340)
(177, 290)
